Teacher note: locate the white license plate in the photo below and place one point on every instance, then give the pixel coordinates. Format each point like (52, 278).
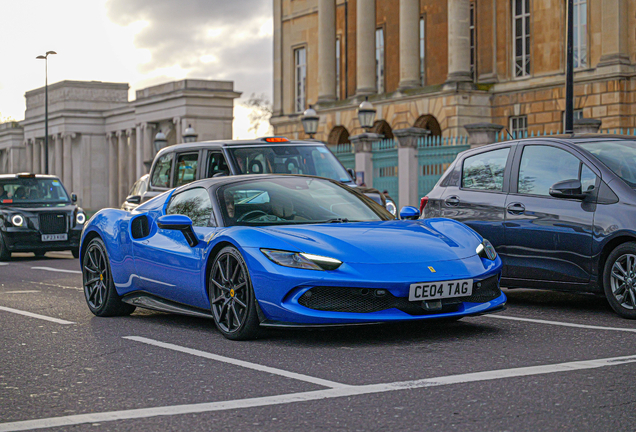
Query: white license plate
(441, 290)
(54, 237)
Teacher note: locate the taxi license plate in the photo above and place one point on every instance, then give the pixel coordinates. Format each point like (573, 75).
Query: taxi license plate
(54, 237)
(441, 290)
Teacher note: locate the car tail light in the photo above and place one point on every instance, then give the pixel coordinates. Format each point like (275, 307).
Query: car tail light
(423, 203)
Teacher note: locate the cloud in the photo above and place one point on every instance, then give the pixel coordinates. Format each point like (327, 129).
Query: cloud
(205, 39)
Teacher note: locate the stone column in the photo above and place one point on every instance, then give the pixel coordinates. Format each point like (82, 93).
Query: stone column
(113, 174)
(177, 125)
(278, 59)
(132, 157)
(409, 44)
(326, 50)
(139, 167)
(122, 168)
(408, 164)
(148, 149)
(52, 165)
(59, 164)
(458, 45)
(587, 125)
(36, 157)
(615, 34)
(67, 162)
(363, 148)
(29, 155)
(480, 134)
(42, 157)
(365, 48)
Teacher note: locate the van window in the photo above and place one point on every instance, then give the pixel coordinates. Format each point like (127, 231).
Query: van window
(186, 168)
(161, 173)
(217, 165)
(485, 171)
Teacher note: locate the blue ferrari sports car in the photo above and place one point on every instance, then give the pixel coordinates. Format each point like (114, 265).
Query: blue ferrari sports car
(284, 250)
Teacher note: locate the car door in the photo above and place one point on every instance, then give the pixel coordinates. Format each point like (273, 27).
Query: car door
(547, 238)
(166, 264)
(478, 197)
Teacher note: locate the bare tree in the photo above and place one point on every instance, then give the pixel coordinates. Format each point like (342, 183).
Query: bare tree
(260, 110)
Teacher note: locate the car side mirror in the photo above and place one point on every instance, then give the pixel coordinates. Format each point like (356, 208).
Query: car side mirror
(133, 199)
(409, 212)
(568, 189)
(352, 173)
(73, 198)
(179, 223)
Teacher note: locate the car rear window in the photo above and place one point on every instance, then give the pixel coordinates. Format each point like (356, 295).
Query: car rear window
(618, 155)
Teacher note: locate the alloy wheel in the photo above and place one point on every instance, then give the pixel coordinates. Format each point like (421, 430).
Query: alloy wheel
(96, 276)
(623, 281)
(230, 292)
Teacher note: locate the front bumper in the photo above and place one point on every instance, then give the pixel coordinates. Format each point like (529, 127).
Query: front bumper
(30, 240)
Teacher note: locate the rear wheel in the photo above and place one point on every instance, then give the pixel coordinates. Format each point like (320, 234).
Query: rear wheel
(619, 280)
(99, 288)
(5, 255)
(231, 296)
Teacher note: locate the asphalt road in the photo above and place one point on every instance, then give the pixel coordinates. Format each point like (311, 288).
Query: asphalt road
(551, 361)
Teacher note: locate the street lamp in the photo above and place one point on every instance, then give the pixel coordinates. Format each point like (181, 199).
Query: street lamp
(45, 57)
(310, 121)
(366, 114)
(189, 135)
(160, 141)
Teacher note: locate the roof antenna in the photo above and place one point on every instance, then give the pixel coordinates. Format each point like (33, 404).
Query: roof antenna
(509, 134)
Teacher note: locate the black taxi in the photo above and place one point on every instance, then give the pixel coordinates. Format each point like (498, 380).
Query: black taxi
(38, 215)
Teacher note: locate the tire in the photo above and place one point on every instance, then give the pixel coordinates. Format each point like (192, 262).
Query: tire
(99, 289)
(619, 280)
(75, 252)
(232, 299)
(5, 255)
(39, 254)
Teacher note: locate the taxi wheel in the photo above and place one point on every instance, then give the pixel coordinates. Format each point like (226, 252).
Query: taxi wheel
(5, 255)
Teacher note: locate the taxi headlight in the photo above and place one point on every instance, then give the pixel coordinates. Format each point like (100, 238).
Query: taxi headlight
(486, 250)
(80, 218)
(301, 260)
(17, 220)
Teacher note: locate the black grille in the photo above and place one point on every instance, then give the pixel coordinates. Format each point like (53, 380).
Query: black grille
(366, 300)
(52, 223)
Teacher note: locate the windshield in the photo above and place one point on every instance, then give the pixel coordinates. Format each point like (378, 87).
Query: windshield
(32, 191)
(295, 200)
(314, 160)
(619, 156)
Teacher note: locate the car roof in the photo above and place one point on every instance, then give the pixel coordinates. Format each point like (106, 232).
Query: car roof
(27, 175)
(235, 143)
(561, 138)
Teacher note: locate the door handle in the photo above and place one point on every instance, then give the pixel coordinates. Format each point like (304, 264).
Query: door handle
(516, 208)
(452, 201)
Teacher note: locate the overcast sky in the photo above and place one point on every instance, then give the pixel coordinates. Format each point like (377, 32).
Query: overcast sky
(140, 42)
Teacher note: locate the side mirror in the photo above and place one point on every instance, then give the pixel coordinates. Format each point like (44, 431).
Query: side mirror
(409, 212)
(73, 198)
(352, 173)
(133, 199)
(567, 189)
(179, 223)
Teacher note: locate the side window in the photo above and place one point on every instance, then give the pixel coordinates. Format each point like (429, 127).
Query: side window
(543, 166)
(194, 203)
(485, 171)
(161, 173)
(186, 168)
(217, 165)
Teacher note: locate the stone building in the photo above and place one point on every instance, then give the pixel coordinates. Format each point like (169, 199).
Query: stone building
(444, 64)
(100, 143)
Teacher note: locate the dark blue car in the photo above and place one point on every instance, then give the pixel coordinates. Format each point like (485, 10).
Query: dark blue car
(560, 211)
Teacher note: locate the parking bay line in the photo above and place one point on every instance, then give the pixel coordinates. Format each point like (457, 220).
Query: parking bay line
(19, 292)
(331, 393)
(237, 362)
(51, 269)
(33, 315)
(558, 323)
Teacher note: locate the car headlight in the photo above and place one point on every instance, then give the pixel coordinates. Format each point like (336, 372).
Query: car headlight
(80, 218)
(391, 207)
(486, 250)
(301, 260)
(17, 220)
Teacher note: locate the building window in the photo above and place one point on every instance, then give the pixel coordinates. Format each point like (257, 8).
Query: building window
(580, 33)
(338, 95)
(519, 126)
(379, 59)
(521, 35)
(578, 115)
(473, 42)
(423, 50)
(300, 68)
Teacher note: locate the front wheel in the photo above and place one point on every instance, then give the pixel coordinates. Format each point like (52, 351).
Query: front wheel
(99, 288)
(232, 298)
(619, 280)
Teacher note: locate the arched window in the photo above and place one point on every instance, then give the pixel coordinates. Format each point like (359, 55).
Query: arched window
(338, 135)
(383, 128)
(428, 122)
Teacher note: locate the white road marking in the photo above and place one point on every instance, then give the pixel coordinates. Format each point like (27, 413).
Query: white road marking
(2, 263)
(312, 395)
(19, 292)
(51, 269)
(33, 315)
(237, 362)
(558, 323)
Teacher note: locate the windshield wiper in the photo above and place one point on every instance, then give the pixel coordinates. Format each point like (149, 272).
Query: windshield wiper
(337, 220)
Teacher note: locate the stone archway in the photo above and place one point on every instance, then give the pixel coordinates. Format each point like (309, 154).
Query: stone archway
(383, 128)
(430, 123)
(338, 135)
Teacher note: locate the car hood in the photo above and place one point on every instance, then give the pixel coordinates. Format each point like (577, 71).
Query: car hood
(386, 242)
